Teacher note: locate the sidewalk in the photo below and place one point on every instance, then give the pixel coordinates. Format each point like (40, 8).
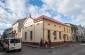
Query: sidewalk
(36, 46)
(33, 46)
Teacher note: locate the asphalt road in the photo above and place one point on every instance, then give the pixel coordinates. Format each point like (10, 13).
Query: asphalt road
(76, 49)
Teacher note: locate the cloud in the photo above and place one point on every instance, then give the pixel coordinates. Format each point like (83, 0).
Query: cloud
(5, 25)
(10, 11)
(71, 8)
(36, 11)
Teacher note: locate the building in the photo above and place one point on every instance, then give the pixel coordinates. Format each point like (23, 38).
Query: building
(17, 28)
(80, 32)
(45, 28)
(0, 36)
(73, 32)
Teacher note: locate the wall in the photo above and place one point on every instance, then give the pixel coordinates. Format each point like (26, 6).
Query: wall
(55, 27)
(15, 28)
(37, 29)
(28, 26)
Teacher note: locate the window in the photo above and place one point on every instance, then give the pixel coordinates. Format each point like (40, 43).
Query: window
(25, 35)
(31, 35)
(59, 26)
(54, 25)
(15, 41)
(6, 41)
(67, 29)
(67, 37)
(64, 29)
(48, 23)
(54, 33)
(48, 34)
(59, 35)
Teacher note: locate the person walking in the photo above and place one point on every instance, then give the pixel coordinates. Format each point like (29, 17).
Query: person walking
(41, 42)
(49, 43)
(46, 44)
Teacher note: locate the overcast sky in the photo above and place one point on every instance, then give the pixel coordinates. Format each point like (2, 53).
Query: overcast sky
(68, 11)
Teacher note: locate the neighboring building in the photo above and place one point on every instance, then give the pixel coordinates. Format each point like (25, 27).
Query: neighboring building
(7, 33)
(45, 28)
(17, 28)
(73, 32)
(0, 36)
(80, 32)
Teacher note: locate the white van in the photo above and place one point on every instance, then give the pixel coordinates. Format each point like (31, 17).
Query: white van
(12, 44)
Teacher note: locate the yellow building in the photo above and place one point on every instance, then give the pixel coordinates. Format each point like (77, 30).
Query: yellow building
(45, 28)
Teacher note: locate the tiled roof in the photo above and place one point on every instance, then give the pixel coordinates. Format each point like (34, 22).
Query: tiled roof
(51, 19)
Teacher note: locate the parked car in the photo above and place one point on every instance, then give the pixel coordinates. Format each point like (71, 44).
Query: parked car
(12, 44)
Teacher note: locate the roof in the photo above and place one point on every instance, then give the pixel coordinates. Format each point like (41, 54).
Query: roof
(20, 21)
(51, 19)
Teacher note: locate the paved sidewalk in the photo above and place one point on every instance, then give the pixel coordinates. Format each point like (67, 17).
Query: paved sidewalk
(33, 46)
(65, 45)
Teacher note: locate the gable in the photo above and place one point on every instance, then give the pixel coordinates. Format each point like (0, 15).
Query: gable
(28, 22)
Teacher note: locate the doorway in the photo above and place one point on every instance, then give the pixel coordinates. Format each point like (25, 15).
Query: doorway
(48, 35)
(64, 37)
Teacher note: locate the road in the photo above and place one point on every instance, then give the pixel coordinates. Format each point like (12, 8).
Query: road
(76, 49)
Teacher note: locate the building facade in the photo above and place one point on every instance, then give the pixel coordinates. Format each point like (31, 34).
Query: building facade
(80, 32)
(73, 32)
(47, 29)
(0, 36)
(17, 28)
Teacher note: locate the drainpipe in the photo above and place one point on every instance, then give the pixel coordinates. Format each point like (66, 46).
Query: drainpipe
(43, 28)
(34, 32)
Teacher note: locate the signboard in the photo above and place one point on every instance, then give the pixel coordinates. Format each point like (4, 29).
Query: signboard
(54, 34)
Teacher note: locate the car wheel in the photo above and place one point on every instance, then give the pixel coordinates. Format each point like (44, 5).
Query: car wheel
(19, 50)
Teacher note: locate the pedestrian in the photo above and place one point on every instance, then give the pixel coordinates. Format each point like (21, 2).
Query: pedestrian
(41, 42)
(49, 43)
(46, 44)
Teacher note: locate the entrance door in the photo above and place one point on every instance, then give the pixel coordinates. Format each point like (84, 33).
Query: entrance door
(48, 35)
(64, 37)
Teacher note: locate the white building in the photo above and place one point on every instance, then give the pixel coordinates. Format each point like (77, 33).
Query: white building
(47, 29)
(17, 28)
(80, 32)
